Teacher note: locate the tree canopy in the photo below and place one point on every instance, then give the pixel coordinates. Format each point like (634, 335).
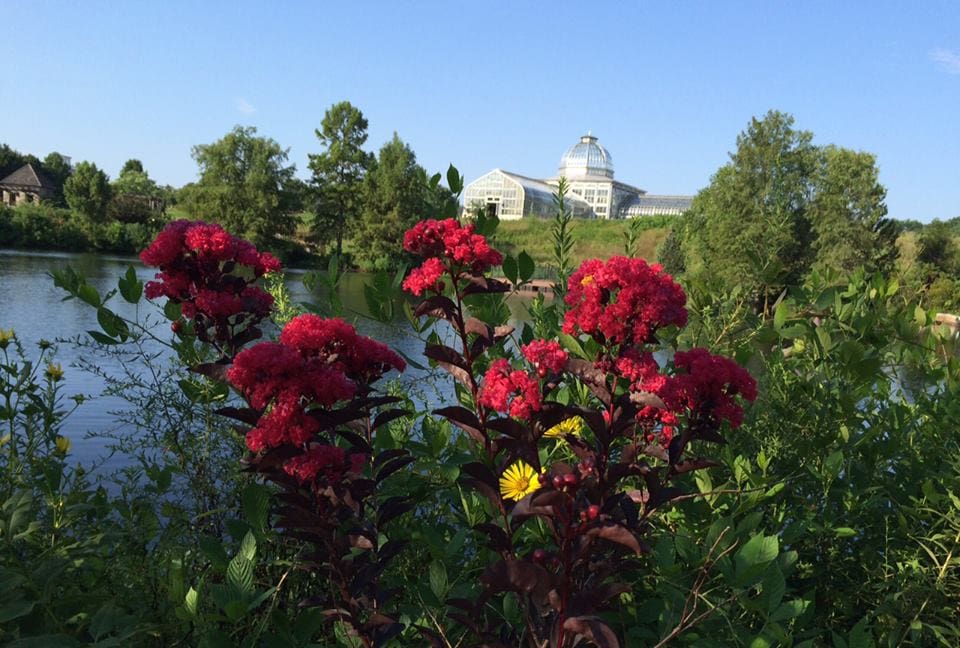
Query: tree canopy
(338, 172)
(245, 185)
(88, 192)
(782, 206)
(394, 195)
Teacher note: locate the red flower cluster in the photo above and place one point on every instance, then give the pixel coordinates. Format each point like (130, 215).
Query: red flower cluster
(336, 342)
(426, 278)
(710, 386)
(508, 390)
(546, 356)
(317, 362)
(210, 273)
(446, 243)
(623, 301)
(327, 461)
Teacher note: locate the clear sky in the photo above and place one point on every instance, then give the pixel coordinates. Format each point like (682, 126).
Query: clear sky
(665, 86)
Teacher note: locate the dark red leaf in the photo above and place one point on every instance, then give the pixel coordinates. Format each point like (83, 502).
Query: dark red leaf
(443, 353)
(519, 576)
(694, 464)
(244, 414)
(590, 600)
(483, 285)
(387, 455)
(618, 533)
(463, 419)
(593, 628)
(393, 466)
(437, 306)
(480, 472)
(390, 415)
(392, 508)
(212, 370)
(356, 441)
(478, 327)
(593, 378)
(498, 537)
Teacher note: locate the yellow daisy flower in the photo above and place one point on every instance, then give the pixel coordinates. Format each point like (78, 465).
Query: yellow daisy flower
(63, 444)
(572, 426)
(517, 481)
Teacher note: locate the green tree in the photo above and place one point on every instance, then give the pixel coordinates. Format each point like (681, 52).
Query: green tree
(88, 191)
(338, 172)
(132, 164)
(394, 196)
(848, 214)
(10, 160)
(135, 182)
(751, 222)
(57, 169)
(244, 185)
(782, 206)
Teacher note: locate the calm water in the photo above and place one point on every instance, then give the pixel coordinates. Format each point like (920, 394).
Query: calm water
(34, 308)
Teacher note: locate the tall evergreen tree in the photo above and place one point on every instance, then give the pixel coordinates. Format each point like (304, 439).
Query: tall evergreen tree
(394, 195)
(338, 172)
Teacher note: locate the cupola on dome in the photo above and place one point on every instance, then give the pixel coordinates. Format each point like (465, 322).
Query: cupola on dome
(586, 158)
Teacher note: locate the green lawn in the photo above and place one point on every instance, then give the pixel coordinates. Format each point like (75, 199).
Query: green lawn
(594, 239)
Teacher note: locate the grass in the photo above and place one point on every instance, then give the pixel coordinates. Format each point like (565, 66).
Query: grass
(594, 239)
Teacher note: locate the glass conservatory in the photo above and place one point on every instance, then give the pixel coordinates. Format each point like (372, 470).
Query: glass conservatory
(594, 193)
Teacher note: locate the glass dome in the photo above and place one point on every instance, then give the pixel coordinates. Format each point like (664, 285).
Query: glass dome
(586, 158)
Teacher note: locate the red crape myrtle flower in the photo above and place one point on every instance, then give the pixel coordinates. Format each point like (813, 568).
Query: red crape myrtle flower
(510, 390)
(336, 342)
(210, 273)
(622, 301)
(709, 386)
(316, 362)
(546, 356)
(447, 245)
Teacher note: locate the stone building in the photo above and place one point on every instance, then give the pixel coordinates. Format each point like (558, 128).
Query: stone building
(594, 193)
(26, 185)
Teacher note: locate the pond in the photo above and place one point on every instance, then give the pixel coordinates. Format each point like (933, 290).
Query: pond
(35, 308)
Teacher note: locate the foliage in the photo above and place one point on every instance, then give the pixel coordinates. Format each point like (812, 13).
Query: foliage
(245, 185)
(58, 170)
(782, 205)
(87, 191)
(394, 196)
(338, 172)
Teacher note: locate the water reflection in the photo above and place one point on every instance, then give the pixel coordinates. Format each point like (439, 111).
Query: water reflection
(35, 309)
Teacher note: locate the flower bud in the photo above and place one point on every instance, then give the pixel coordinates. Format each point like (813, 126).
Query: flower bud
(570, 480)
(593, 512)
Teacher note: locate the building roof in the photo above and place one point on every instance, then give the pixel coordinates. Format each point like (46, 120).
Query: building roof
(651, 205)
(540, 189)
(27, 177)
(586, 158)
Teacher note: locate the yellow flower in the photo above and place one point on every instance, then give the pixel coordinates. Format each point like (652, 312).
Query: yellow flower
(572, 426)
(518, 480)
(54, 371)
(587, 280)
(5, 337)
(63, 444)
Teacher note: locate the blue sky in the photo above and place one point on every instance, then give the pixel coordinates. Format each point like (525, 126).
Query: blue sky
(665, 86)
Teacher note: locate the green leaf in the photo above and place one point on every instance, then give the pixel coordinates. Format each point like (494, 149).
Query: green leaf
(860, 636)
(454, 180)
(248, 547)
(214, 552)
(15, 610)
(790, 610)
(101, 338)
(130, 287)
(751, 559)
(774, 586)
(845, 532)
(190, 601)
(525, 266)
(510, 270)
(89, 294)
(240, 574)
(833, 464)
(780, 315)
(256, 507)
(171, 310)
(438, 579)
